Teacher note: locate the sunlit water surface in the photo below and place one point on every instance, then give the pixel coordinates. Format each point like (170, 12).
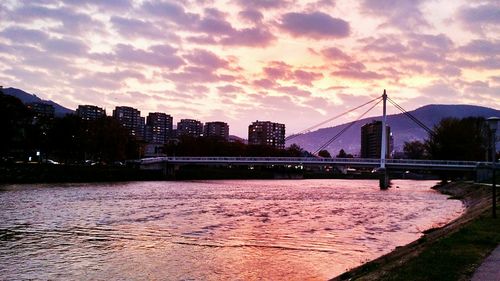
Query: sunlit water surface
(210, 230)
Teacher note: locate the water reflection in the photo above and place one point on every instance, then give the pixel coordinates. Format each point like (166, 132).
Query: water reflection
(213, 230)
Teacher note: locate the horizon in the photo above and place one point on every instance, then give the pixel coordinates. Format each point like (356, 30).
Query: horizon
(291, 62)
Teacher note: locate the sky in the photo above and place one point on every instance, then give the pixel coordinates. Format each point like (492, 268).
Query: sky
(289, 61)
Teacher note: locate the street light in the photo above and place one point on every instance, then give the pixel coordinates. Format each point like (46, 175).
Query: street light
(493, 124)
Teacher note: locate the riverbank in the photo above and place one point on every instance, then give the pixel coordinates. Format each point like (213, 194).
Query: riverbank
(51, 173)
(452, 252)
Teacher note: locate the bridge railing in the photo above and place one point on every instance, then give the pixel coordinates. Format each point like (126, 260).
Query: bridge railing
(306, 160)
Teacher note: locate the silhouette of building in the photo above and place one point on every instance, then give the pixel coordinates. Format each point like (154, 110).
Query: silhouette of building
(158, 127)
(90, 112)
(189, 127)
(371, 140)
(41, 109)
(267, 133)
(216, 129)
(130, 118)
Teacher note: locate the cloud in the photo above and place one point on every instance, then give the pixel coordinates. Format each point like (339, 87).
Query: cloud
(482, 48)
(158, 55)
(478, 18)
(134, 28)
(230, 89)
(206, 59)
(114, 5)
(66, 47)
(306, 77)
(170, 11)
(315, 25)
(384, 44)
(357, 71)
(22, 35)
(250, 37)
(401, 14)
(266, 4)
(440, 89)
(251, 15)
(333, 53)
(264, 83)
(71, 22)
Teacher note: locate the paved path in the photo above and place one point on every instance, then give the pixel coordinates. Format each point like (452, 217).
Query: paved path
(490, 268)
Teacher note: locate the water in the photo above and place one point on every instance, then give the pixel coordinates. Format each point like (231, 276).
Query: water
(209, 230)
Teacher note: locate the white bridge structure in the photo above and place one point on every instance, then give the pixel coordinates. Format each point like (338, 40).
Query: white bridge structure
(381, 165)
(393, 164)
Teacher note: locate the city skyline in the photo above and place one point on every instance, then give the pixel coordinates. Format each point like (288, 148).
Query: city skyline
(294, 63)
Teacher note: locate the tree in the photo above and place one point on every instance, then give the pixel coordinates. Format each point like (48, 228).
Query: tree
(415, 150)
(459, 139)
(343, 154)
(324, 153)
(15, 120)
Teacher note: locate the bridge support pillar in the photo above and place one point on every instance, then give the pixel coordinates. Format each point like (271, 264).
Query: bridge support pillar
(384, 180)
(170, 170)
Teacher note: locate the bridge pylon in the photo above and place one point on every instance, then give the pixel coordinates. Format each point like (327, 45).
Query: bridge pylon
(384, 177)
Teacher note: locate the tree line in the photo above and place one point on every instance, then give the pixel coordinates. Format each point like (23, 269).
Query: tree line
(453, 139)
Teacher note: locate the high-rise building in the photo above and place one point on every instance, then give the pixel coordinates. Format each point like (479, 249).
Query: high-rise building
(90, 112)
(41, 109)
(216, 129)
(158, 127)
(130, 118)
(371, 140)
(189, 127)
(267, 133)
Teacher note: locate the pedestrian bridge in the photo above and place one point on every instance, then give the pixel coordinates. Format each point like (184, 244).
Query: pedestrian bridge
(392, 164)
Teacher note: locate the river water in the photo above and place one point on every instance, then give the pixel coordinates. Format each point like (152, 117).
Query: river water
(210, 230)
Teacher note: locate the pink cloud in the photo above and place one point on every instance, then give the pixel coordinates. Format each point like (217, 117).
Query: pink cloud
(316, 25)
(206, 59)
(333, 53)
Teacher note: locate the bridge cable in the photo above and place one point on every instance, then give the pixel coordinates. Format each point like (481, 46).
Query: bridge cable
(329, 120)
(345, 129)
(411, 116)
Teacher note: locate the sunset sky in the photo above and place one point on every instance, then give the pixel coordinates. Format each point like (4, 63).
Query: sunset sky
(290, 61)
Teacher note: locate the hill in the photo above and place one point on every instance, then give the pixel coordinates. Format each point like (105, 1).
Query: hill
(29, 98)
(402, 127)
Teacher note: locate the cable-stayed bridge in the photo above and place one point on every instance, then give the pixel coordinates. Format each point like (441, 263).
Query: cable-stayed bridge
(380, 165)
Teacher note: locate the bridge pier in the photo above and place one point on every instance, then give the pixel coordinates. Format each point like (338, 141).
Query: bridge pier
(384, 180)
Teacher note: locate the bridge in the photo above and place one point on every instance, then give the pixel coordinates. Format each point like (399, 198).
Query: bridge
(393, 164)
(380, 165)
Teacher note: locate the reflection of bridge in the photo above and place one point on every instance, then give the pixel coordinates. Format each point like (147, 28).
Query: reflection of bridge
(393, 164)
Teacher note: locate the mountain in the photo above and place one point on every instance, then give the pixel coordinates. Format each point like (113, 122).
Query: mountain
(29, 98)
(402, 128)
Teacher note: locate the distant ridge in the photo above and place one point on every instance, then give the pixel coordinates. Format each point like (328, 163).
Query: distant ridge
(29, 98)
(403, 128)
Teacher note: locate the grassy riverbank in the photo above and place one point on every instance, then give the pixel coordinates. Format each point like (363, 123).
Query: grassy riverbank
(452, 252)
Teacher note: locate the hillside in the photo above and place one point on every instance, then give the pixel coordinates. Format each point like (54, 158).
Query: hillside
(29, 98)
(402, 127)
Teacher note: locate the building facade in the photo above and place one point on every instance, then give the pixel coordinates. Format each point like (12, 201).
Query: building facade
(371, 140)
(90, 112)
(130, 118)
(216, 129)
(267, 133)
(189, 127)
(158, 127)
(42, 110)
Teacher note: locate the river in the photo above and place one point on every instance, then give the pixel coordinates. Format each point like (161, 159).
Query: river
(210, 230)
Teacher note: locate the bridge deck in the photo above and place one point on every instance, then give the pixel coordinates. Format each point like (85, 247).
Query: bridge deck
(352, 162)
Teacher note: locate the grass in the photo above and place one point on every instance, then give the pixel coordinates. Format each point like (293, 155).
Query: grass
(454, 257)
